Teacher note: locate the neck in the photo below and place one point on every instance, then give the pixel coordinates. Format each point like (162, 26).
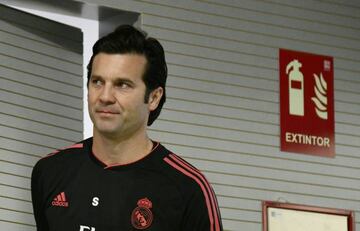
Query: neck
(118, 151)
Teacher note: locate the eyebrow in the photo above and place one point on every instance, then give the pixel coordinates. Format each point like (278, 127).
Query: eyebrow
(122, 80)
(116, 80)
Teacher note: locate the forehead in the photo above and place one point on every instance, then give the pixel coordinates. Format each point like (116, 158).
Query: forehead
(119, 65)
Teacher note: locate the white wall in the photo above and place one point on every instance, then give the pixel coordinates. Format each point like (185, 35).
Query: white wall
(90, 29)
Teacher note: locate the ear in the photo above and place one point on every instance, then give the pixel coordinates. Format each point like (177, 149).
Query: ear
(154, 98)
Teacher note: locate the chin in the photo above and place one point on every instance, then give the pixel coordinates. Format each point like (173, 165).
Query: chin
(106, 129)
(108, 133)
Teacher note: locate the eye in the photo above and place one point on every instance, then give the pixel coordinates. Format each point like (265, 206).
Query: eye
(123, 85)
(96, 82)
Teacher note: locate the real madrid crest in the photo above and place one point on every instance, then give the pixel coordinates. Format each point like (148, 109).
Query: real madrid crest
(142, 217)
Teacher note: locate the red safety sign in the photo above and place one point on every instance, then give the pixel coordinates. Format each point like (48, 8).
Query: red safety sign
(306, 103)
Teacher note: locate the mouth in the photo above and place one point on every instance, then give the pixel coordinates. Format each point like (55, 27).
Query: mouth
(107, 112)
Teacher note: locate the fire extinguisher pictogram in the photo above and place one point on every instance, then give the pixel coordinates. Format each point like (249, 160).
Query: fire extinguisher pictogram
(296, 88)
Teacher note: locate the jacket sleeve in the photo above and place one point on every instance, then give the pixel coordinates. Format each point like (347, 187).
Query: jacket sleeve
(38, 199)
(202, 211)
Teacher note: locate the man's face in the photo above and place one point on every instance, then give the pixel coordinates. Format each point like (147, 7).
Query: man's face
(116, 95)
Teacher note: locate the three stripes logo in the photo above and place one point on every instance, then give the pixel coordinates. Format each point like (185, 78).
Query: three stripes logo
(60, 200)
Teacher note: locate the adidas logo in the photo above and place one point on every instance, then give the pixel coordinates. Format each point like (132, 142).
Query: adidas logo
(60, 200)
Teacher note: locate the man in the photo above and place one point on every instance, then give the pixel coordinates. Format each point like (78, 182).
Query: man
(120, 179)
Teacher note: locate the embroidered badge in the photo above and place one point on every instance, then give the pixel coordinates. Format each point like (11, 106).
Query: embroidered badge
(142, 217)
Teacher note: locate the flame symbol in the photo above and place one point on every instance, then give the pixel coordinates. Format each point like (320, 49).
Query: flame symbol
(320, 100)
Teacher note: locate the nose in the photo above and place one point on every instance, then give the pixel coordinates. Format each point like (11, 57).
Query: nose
(106, 96)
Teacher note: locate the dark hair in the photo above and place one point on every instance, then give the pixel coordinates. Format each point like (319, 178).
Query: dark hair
(127, 39)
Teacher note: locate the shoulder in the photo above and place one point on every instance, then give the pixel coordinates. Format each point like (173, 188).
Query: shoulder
(183, 169)
(201, 202)
(188, 177)
(62, 156)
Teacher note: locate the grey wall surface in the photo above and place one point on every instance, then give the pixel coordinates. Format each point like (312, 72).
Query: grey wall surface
(40, 104)
(222, 111)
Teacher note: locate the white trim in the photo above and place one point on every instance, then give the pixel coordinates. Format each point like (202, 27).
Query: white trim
(90, 29)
